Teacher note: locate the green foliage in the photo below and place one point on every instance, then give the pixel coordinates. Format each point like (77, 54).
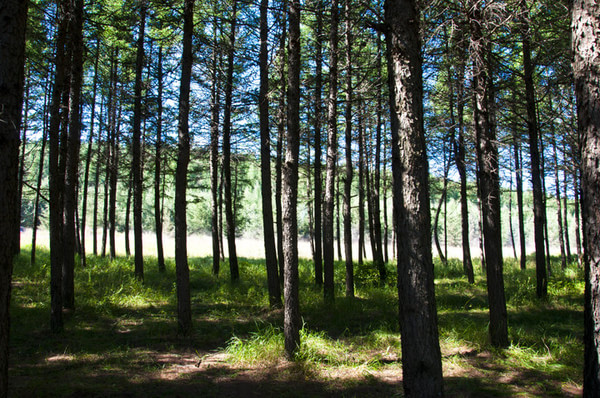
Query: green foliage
(121, 325)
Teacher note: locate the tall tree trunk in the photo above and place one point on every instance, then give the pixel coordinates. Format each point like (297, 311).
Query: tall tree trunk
(158, 213)
(36, 213)
(544, 201)
(113, 179)
(229, 211)
(436, 235)
(536, 177)
(328, 242)
(128, 215)
(88, 156)
(421, 357)
(97, 185)
(281, 122)
(21, 169)
(184, 309)
(265, 162)
(519, 182)
(565, 206)
(586, 49)
(136, 164)
(214, 151)
(461, 164)
(559, 219)
(318, 253)
(12, 60)
(349, 167)
(57, 176)
(577, 195)
(487, 159)
(291, 322)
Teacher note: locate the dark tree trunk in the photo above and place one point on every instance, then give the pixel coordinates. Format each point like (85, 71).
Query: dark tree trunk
(586, 49)
(559, 219)
(12, 60)
(565, 208)
(318, 252)
(214, 152)
(462, 166)
(519, 181)
(487, 159)
(57, 176)
(114, 173)
(349, 167)
(536, 177)
(265, 162)
(184, 309)
(544, 201)
(128, 215)
(88, 157)
(136, 164)
(421, 358)
(577, 218)
(328, 241)
(97, 185)
(21, 170)
(280, 138)
(158, 214)
(36, 214)
(292, 321)
(229, 211)
(436, 235)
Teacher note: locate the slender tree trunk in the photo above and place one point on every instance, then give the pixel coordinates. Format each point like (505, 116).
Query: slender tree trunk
(136, 164)
(291, 323)
(436, 235)
(536, 176)
(487, 159)
(577, 218)
(565, 207)
(281, 137)
(559, 219)
(184, 309)
(421, 357)
(57, 176)
(128, 215)
(229, 211)
(318, 253)
(36, 214)
(328, 241)
(214, 151)
(544, 201)
(158, 214)
(586, 49)
(265, 162)
(97, 185)
(114, 173)
(519, 181)
(88, 157)
(338, 218)
(21, 169)
(12, 60)
(349, 167)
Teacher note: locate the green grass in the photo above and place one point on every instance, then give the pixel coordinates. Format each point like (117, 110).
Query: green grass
(122, 338)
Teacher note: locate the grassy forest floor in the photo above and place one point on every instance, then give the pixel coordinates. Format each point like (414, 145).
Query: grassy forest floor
(121, 340)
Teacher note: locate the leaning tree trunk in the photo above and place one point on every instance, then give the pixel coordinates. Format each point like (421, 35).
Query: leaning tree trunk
(291, 317)
(265, 163)
(12, 60)
(328, 241)
(586, 50)
(421, 358)
(184, 309)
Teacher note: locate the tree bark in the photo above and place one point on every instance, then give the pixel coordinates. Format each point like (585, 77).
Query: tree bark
(349, 166)
(13, 15)
(536, 177)
(280, 138)
(136, 164)
(519, 182)
(586, 50)
(158, 213)
(229, 211)
(184, 309)
(328, 241)
(292, 321)
(265, 163)
(318, 252)
(214, 152)
(487, 159)
(421, 358)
